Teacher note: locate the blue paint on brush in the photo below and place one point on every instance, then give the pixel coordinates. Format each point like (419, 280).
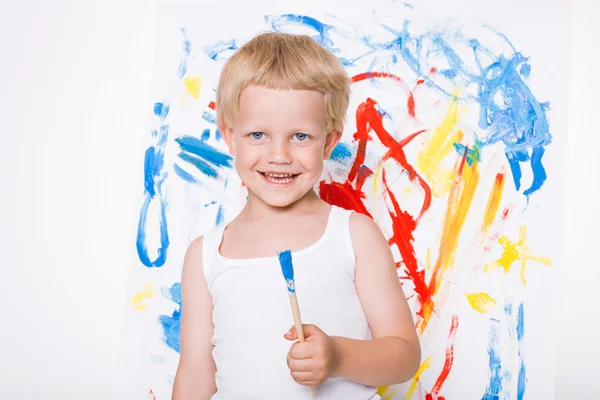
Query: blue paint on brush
(287, 268)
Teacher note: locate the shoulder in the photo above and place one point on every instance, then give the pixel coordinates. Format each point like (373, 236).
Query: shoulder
(368, 242)
(364, 228)
(192, 262)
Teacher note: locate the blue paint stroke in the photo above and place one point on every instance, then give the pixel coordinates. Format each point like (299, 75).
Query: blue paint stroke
(215, 50)
(522, 380)
(509, 112)
(407, 5)
(219, 215)
(186, 176)
(171, 324)
(209, 117)
(186, 50)
(200, 164)
(205, 135)
(341, 152)
(161, 110)
(287, 23)
(492, 391)
(203, 156)
(154, 176)
(287, 268)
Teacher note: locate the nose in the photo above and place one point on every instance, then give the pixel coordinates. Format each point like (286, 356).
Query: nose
(279, 152)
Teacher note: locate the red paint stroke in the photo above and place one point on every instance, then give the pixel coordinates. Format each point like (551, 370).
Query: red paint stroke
(212, 105)
(447, 364)
(369, 118)
(403, 226)
(151, 395)
(410, 104)
(343, 195)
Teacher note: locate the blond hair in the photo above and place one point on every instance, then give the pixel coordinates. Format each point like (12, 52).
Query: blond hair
(284, 61)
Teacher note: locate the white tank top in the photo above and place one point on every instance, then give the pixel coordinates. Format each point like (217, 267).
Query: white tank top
(251, 312)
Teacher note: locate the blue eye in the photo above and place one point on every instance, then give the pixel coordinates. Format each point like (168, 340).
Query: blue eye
(257, 135)
(301, 137)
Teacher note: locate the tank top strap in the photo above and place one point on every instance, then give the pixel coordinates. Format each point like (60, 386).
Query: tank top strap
(340, 220)
(210, 246)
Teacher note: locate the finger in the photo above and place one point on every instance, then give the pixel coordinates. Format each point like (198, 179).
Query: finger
(292, 334)
(304, 365)
(301, 351)
(303, 378)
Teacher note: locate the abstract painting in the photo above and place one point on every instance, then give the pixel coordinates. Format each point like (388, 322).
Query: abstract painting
(454, 143)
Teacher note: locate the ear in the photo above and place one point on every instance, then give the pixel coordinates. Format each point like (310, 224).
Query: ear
(333, 138)
(227, 134)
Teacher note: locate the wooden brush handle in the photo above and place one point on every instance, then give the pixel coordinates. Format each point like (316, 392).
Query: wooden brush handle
(298, 324)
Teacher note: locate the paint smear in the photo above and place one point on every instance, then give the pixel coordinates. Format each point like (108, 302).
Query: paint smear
(491, 209)
(513, 252)
(494, 387)
(205, 158)
(413, 384)
(192, 86)
(139, 299)
(171, 323)
(436, 148)
(151, 395)
(459, 202)
(522, 379)
(481, 302)
(434, 395)
(154, 176)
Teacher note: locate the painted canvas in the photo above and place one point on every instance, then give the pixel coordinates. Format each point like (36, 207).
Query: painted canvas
(454, 143)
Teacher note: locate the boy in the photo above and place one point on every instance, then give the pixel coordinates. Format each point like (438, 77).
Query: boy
(281, 103)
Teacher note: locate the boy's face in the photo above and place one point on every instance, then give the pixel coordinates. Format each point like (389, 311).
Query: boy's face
(279, 140)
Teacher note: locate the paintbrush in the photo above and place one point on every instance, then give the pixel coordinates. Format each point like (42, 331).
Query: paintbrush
(287, 268)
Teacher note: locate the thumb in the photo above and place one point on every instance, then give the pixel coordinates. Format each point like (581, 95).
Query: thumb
(312, 332)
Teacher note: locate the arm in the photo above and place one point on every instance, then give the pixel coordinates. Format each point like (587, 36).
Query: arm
(195, 377)
(394, 354)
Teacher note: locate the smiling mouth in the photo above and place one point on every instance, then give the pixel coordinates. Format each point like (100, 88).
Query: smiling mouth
(280, 179)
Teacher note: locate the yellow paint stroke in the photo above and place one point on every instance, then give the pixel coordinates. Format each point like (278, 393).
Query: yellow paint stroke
(513, 252)
(382, 391)
(428, 260)
(138, 298)
(481, 302)
(192, 86)
(437, 147)
(376, 176)
(491, 209)
(459, 202)
(413, 385)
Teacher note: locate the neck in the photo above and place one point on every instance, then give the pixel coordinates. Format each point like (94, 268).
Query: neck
(256, 208)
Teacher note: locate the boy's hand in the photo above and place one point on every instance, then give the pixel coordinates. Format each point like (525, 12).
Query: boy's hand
(311, 363)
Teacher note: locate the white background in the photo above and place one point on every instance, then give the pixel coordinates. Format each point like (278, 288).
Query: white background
(74, 91)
